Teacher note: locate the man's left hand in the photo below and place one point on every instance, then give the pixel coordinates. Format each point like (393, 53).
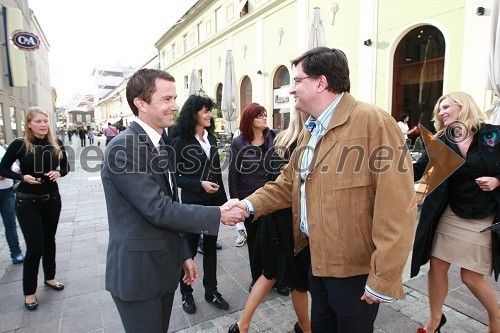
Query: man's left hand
(190, 272)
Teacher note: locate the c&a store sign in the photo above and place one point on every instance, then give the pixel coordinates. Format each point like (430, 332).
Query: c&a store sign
(26, 40)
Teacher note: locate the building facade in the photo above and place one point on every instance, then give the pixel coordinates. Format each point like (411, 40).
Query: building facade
(402, 55)
(32, 66)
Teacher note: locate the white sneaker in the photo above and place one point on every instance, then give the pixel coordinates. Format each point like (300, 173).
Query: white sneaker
(242, 238)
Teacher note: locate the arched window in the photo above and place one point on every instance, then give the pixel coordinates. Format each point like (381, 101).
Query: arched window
(281, 98)
(245, 92)
(418, 75)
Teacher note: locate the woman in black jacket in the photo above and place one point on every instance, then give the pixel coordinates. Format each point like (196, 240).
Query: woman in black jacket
(42, 160)
(465, 203)
(198, 174)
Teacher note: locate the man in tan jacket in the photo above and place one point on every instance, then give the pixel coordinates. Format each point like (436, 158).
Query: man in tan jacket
(350, 185)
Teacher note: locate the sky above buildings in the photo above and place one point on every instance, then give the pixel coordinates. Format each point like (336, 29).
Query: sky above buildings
(85, 34)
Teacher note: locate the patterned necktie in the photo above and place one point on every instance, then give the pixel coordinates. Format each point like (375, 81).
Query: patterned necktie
(309, 152)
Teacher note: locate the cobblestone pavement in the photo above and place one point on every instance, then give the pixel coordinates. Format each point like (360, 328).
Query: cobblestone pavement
(84, 306)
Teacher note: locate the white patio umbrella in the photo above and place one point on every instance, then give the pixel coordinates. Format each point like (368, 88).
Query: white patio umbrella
(317, 32)
(229, 95)
(193, 83)
(494, 61)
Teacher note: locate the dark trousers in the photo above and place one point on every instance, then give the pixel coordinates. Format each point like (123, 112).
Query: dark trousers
(108, 139)
(9, 220)
(83, 142)
(253, 253)
(209, 263)
(337, 307)
(209, 256)
(38, 219)
(91, 141)
(148, 316)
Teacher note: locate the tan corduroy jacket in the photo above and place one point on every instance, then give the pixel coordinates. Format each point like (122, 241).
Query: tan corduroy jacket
(358, 197)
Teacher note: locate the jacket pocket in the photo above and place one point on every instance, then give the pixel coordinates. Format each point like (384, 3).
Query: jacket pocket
(351, 181)
(143, 245)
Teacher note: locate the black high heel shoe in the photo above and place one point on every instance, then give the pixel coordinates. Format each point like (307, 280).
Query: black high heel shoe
(31, 306)
(59, 286)
(234, 328)
(297, 328)
(438, 329)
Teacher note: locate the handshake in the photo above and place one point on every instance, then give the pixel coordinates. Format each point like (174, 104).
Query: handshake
(233, 211)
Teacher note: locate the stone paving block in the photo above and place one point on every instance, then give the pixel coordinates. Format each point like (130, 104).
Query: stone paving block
(9, 320)
(83, 321)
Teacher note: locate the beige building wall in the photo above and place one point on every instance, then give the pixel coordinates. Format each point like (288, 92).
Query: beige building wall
(276, 31)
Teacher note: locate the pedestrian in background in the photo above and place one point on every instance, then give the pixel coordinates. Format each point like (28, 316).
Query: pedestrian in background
(7, 210)
(199, 176)
(275, 243)
(351, 208)
(91, 135)
(453, 215)
(70, 134)
(110, 132)
(42, 160)
(82, 133)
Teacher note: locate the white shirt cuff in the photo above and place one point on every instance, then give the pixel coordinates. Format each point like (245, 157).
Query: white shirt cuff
(249, 206)
(383, 298)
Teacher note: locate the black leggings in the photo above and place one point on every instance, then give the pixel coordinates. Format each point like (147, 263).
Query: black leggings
(38, 219)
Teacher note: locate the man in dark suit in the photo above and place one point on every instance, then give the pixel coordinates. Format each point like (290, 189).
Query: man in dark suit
(147, 249)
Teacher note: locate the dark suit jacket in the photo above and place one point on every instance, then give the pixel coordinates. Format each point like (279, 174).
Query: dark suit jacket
(193, 166)
(146, 245)
(435, 203)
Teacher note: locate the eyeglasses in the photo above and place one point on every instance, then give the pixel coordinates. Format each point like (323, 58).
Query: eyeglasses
(262, 116)
(298, 80)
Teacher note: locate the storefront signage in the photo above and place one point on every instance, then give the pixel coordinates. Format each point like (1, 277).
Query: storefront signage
(26, 40)
(281, 97)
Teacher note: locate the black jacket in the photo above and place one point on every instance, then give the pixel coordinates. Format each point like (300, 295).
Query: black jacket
(193, 166)
(435, 203)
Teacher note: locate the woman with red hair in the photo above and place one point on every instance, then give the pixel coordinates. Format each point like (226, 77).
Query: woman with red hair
(247, 171)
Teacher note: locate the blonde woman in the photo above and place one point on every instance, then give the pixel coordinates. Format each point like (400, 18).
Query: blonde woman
(453, 215)
(275, 243)
(42, 160)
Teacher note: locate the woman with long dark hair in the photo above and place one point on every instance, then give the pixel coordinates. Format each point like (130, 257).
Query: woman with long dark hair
(42, 160)
(199, 176)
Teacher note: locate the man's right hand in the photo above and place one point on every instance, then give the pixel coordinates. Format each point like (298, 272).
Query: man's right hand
(233, 211)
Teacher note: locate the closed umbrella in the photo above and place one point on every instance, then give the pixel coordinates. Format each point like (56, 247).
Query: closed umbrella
(494, 62)
(193, 83)
(229, 95)
(317, 32)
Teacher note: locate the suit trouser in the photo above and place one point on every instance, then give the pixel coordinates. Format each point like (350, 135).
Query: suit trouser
(38, 219)
(337, 307)
(148, 316)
